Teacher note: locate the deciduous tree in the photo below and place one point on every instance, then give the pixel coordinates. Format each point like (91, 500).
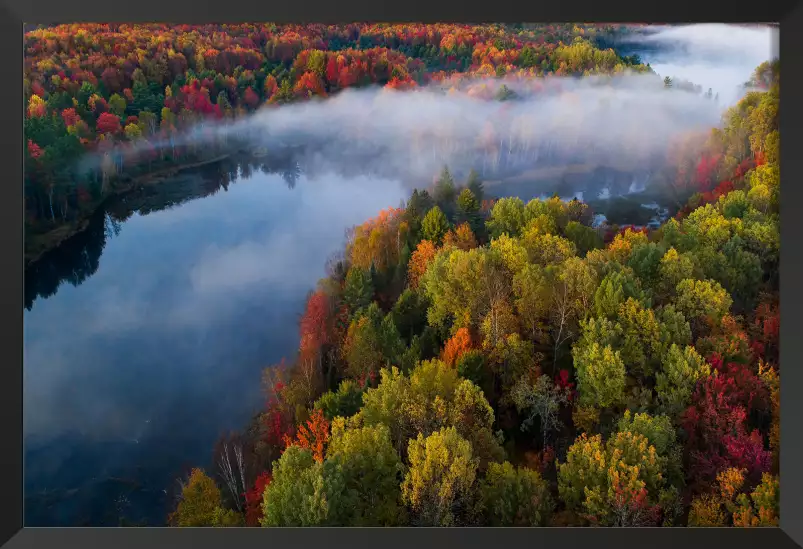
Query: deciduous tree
(108, 123)
(253, 499)
(305, 492)
(573, 285)
(345, 402)
(430, 398)
(462, 238)
(458, 344)
(200, 504)
(372, 471)
(543, 400)
(512, 496)
(420, 261)
(507, 217)
(313, 436)
(703, 302)
(617, 484)
(532, 301)
(439, 483)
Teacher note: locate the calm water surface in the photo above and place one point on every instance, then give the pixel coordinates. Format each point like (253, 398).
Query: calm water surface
(133, 371)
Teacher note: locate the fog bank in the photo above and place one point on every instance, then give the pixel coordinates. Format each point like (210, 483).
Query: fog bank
(717, 56)
(412, 134)
(624, 121)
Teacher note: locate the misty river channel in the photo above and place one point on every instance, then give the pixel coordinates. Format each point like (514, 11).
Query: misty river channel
(147, 333)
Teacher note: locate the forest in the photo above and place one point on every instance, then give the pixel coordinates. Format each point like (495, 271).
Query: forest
(471, 360)
(127, 93)
(468, 359)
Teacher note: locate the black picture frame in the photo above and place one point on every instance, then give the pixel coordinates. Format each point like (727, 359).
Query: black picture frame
(13, 13)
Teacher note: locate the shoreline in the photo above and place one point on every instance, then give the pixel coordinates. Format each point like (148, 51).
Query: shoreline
(52, 239)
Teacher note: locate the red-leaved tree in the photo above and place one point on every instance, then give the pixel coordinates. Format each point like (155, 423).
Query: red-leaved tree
(767, 326)
(70, 117)
(251, 97)
(34, 150)
(108, 123)
(717, 427)
(253, 499)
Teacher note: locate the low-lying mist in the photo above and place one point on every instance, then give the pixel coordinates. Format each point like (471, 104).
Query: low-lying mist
(625, 121)
(715, 56)
(621, 121)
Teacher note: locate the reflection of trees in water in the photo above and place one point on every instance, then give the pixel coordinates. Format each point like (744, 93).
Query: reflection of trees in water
(112, 226)
(74, 261)
(291, 174)
(77, 258)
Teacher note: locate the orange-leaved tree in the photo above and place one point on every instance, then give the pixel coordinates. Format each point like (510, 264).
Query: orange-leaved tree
(457, 346)
(420, 260)
(312, 436)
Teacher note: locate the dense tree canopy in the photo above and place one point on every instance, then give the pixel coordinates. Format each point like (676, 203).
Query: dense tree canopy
(469, 360)
(124, 90)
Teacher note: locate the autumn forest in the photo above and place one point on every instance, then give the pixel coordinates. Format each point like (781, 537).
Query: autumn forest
(469, 358)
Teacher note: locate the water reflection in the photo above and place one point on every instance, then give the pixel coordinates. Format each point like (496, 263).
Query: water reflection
(78, 258)
(153, 347)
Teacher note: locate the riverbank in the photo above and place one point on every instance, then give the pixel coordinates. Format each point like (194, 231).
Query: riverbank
(38, 245)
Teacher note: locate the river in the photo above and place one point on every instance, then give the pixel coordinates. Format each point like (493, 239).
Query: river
(136, 367)
(145, 335)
